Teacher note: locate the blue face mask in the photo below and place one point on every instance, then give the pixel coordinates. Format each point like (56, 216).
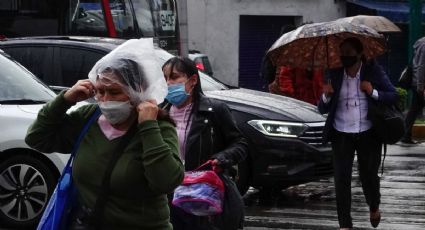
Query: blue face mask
(177, 94)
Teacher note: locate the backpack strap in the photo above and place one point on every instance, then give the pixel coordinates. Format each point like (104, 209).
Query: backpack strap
(83, 132)
(383, 159)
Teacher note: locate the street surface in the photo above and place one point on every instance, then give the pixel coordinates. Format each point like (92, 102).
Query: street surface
(312, 205)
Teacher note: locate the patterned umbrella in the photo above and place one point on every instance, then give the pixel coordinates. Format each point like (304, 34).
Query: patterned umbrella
(378, 23)
(317, 45)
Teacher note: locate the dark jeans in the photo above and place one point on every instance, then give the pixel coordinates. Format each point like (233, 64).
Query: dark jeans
(368, 149)
(415, 109)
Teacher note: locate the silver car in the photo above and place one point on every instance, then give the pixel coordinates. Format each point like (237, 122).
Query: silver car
(27, 177)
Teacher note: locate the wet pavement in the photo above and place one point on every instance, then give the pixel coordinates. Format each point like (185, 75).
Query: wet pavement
(312, 205)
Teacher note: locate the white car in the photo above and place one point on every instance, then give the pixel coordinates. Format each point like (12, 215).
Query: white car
(27, 177)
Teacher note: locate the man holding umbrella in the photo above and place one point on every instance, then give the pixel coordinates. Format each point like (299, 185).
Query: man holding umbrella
(354, 85)
(347, 96)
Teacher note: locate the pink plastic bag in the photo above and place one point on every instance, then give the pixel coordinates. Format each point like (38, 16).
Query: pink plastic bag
(201, 193)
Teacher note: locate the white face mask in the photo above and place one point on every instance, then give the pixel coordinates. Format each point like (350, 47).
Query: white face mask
(116, 111)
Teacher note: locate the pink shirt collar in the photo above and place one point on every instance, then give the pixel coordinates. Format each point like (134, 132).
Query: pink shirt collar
(108, 130)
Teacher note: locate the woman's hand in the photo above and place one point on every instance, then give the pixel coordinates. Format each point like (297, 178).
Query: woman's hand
(366, 87)
(216, 167)
(147, 110)
(328, 90)
(82, 90)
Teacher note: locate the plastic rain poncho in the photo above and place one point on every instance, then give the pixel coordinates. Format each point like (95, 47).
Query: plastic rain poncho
(138, 70)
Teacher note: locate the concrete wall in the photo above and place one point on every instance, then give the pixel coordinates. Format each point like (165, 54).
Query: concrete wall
(214, 26)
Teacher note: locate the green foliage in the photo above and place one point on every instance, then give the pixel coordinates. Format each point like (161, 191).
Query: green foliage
(402, 98)
(420, 121)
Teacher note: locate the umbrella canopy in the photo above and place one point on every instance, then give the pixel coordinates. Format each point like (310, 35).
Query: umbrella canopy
(316, 45)
(378, 23)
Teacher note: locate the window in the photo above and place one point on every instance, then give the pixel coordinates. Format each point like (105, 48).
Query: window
(155, 18)
(86, 18)
(28, 17)
(35, 59)
(9, 5)
(18, 84)
(144, 18)
(164, 12)
(39, 8)
(82, 62)
(209, 84)
(123, 17)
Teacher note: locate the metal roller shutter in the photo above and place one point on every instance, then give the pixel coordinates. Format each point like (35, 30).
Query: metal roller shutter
(256, 35)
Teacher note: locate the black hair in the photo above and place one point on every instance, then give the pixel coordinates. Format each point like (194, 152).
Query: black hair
(354, 42)
(188, 67)
(132, 68)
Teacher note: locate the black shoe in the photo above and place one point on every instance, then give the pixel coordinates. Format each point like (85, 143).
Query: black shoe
(375, 218)
(408, 141)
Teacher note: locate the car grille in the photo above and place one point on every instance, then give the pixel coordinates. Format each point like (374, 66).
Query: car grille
(313, 135)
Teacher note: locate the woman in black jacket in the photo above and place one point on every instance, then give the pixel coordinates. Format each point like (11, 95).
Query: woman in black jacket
(206, 130)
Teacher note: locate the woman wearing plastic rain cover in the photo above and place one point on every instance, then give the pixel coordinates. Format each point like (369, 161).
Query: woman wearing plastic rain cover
(127, 86)
(206, 131)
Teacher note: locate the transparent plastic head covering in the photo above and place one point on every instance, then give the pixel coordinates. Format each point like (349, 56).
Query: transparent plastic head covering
(134, 66)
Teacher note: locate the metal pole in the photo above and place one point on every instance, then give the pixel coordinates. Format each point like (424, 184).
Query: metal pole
(415, 31)
(183, 25)
(415, 25)
(108, 19)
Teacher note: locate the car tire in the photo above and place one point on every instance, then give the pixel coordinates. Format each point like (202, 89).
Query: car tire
(26, 184)
(244, 176)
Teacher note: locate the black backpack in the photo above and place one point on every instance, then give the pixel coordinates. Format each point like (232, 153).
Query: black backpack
(388, 121)
(405, 80)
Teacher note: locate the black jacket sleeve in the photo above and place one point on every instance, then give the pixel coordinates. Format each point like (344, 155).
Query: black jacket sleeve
(236, 146)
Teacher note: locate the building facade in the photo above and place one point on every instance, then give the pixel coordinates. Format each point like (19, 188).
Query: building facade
(235, 34)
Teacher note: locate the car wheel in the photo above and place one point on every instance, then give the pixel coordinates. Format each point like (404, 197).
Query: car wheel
(244, 176)
(26, 184)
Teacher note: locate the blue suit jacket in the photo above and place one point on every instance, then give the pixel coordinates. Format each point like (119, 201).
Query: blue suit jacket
(371, 72)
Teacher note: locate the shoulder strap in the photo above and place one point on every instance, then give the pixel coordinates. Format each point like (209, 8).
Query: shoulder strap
(99, 206)
(383, 159)
(83, 132)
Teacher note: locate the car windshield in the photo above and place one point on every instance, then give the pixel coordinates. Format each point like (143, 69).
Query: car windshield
(19, 86)
(209, 83)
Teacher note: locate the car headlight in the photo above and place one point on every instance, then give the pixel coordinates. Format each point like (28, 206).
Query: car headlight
(278, 128)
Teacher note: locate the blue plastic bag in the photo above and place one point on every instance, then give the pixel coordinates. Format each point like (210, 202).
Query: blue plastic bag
(60, 203)
(64, 196)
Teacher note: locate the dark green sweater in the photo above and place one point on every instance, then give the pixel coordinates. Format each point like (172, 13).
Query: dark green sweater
(148, 168)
